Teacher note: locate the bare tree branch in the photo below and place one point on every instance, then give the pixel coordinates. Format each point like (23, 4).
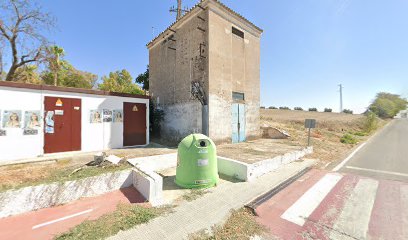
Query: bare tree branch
(21, 26)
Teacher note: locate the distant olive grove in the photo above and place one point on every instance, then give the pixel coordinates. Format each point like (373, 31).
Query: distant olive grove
(385, 105)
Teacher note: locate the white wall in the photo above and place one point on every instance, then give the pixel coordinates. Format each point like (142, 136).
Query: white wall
(31, 198)
(95, 137)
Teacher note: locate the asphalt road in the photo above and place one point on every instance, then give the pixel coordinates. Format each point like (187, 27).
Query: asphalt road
(384, 156)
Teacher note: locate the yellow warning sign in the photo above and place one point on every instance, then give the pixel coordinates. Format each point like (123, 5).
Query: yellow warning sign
(135, 109)
(58, 103)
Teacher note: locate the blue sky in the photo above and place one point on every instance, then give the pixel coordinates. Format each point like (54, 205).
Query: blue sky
(308, 46)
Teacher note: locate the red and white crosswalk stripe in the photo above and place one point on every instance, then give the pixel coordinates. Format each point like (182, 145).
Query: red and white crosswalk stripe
(323, 205)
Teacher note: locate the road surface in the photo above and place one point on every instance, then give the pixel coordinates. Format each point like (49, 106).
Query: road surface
(366, 199)
(385, 155)
(330, 205)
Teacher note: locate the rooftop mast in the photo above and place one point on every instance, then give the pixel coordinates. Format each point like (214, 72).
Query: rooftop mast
(178, 10)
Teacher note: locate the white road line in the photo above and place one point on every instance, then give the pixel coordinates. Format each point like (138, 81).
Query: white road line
(404, 208)
(61, 219)
(356, 214)
(378, 171)
(310, 200)
(337, 168)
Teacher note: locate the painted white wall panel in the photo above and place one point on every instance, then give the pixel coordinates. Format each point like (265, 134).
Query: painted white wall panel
(95, 137)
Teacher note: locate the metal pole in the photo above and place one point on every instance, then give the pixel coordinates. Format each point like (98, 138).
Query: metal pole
(308, 139)
(341, 98)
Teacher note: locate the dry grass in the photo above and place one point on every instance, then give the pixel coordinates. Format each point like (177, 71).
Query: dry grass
(240, 226)
(125, 217)
(326, 138)
(19, 176)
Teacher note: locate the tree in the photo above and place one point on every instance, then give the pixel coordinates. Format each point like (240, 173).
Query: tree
(387, 105)
(120, 81)
(27, 74)
(2, 73)
(54, 53)
(21, 24)
(143, 79)
(68, 76)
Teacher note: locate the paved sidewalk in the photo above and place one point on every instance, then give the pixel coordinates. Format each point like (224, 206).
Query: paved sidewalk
(212, 208)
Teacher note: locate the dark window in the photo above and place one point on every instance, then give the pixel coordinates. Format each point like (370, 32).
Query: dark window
(238, 96)
(237, 32)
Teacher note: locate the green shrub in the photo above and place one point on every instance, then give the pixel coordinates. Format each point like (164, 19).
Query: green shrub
(348, 139)
(387, 105)
(312, 109)
(358, 133)
(156, 116)
(298, 109)
(328, 110)
(271, 107)
(347, 111)
(284, 108)
(262, 107)
(370, 122)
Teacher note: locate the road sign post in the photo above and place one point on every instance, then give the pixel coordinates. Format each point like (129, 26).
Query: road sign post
(310, 123)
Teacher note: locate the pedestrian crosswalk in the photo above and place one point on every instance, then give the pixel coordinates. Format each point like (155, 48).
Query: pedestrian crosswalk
(322, 205)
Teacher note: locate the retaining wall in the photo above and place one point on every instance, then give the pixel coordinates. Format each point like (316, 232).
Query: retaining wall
(28, 199)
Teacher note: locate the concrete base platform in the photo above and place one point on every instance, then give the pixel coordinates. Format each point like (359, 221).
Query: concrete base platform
(212, 208)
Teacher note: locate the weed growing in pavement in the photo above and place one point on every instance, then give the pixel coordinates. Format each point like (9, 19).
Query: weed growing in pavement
(194, 194)
(125, 217)
(240, 225)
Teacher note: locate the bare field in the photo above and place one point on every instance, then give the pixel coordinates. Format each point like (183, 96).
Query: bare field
(325, 138)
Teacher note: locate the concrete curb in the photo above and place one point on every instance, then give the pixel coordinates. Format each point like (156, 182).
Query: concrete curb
(268, 195)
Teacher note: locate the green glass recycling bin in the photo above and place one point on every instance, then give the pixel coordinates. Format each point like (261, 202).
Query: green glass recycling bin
(196, 162)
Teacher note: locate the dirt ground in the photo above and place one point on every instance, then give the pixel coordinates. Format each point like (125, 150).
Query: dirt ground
(325, 138)
(61, 169)
(257, 150)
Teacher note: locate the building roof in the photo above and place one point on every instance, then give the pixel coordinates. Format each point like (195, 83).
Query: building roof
(68, 89)
(198, 5)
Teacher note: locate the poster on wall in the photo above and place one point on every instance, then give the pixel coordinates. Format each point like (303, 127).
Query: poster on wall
(49, 122)
(107, 115)
(11, 119)
(117, 116)
(3, 133)
(32, 119)
(95, 116)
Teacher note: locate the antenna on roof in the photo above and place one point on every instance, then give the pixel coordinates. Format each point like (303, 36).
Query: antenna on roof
(179, 10)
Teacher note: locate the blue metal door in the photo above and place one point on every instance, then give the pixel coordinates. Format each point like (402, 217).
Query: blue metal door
(241, 122)
(235, 117)
(238, 123)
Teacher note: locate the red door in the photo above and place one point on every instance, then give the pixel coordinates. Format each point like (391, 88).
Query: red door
(134, 124)
(62, 124)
